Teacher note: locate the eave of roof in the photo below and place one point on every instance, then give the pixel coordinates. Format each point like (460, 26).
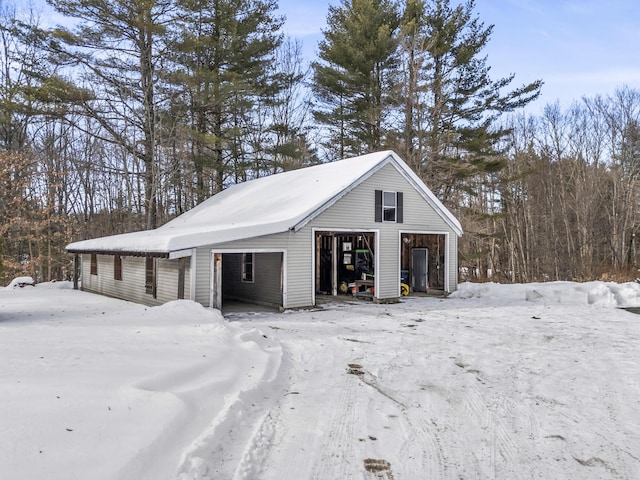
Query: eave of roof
(122, 253)
(179, 234)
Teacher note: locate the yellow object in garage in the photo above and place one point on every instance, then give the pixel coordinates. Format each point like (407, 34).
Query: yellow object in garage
(404, 289)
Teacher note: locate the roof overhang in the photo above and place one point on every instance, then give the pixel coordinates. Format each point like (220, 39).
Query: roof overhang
(122, 253)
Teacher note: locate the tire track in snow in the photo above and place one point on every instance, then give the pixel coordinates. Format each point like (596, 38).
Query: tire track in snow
(504, 449)
(232, 446)
(611, 450)
(257, 449)
(423, 433)
(377, 469)
(297, 420)
(435, 463)
(337, 452)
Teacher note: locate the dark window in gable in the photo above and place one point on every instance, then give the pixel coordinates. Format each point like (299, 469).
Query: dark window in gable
(388, 206)
(94, 264)
(247, 267)
(117, 267)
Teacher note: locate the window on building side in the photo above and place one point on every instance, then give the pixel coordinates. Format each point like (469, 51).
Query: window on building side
(94, 264)
(389, 204)
(150, 276)
(117, 267)
(247, 267)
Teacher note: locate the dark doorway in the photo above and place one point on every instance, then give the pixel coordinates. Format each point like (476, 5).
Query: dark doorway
(324, 276)
(419, 269)
(341, 259)
(434, 245)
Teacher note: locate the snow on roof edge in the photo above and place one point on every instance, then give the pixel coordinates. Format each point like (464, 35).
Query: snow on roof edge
(164, 241)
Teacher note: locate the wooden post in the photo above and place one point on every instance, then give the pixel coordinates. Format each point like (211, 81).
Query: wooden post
(334, 261)
(216, 281)
(181, 272)
(76, 270)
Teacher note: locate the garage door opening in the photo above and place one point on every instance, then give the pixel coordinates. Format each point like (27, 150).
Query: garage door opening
(252, 278)
(345, 261)
(422, 262)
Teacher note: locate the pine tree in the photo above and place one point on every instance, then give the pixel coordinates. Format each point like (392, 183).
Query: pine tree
(32, 91)
(223, 51)
(353, 76)
(120, 46)
(449, 101)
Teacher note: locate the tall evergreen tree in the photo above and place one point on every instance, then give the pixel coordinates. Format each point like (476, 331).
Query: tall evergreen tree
(352, 78)
(31, 89)
(223, 50)
(449, 100)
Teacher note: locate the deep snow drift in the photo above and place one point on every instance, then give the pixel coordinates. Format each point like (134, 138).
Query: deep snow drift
(522, 381)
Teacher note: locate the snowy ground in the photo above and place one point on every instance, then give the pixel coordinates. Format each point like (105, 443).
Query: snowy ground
(497, 382)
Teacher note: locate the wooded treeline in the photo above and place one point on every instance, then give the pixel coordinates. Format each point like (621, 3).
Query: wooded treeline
(141, 109)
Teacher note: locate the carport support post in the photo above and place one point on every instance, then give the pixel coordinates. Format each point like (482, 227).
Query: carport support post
(76, 270)
(216, 282)
(334, 267)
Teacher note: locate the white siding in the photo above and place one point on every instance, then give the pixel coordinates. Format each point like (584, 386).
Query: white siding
(356, 211)
(187, 279)
(203, 275)
(353, 212)
(132, 285)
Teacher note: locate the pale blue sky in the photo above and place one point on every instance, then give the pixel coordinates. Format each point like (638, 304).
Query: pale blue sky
(578, 47)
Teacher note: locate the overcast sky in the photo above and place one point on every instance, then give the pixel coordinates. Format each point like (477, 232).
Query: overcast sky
(578, 47)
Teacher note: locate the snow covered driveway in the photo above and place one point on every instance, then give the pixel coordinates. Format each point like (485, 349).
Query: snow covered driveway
(449, 389)
(537, 381)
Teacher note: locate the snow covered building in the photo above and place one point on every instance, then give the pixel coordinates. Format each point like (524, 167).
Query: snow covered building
(362, 225)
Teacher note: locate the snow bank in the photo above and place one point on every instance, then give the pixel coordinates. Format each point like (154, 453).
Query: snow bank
(20, 282)
(29, 280)
(480, 385)
(602, 294)
(94, 387)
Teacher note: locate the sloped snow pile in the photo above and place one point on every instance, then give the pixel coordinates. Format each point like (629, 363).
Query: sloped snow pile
(186, 311)
(16, 282)
(94, 387)
(20, 282)
(602, 294)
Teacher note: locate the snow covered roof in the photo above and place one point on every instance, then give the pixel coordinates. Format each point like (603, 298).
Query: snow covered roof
(264, 206)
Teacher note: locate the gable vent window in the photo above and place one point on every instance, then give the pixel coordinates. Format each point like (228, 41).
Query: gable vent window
(247, 267)
(388, 206)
